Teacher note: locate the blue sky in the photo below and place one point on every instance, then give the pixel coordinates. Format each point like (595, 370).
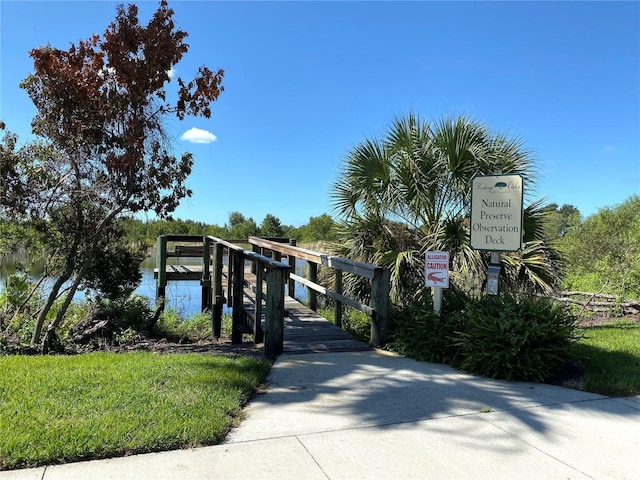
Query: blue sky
(306, 81)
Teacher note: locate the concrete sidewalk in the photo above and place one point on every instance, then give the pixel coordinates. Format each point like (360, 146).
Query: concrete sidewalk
(369, 415)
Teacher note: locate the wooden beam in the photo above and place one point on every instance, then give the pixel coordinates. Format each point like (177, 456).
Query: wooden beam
(274, 314)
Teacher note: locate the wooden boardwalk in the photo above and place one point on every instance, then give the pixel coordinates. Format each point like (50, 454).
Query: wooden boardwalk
(223, 269)
(307, 332)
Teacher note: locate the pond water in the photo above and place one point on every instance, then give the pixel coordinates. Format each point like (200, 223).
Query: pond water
(182, 296)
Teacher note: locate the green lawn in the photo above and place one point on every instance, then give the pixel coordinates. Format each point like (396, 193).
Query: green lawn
(56, 409)
(611, 355)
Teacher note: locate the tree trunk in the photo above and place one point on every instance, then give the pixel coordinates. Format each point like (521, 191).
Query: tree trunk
(35, 338)
(49, 339)
(50, 334)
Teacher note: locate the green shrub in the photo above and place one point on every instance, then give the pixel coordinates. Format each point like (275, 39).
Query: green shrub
(417, 332)
(16, 322)
(521, 337)
(15, 291)
(104, 322)
(516, 337)
(357, 323)
(193, 329)
(132, 312)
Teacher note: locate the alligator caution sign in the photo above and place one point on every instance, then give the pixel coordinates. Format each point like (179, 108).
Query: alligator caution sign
(436, 271)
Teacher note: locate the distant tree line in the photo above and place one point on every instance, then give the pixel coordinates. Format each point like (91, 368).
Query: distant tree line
(144, 233)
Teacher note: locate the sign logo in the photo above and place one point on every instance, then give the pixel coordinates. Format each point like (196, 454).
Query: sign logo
(496, 212)
(436, 269)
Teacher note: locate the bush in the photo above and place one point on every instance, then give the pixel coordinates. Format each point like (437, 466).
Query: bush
(132, 312)
(417, 332)
(193, 329)
(106, 321)
(516, 337)
(15, 291)
(357, 323)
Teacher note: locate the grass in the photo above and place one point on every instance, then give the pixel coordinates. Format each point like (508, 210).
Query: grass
(193, 329)
(611, 355)
(57, 409)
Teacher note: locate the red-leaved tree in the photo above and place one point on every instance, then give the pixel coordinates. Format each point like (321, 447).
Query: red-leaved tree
(101, 105)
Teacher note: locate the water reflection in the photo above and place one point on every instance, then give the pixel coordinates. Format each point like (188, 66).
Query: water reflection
(182, 296)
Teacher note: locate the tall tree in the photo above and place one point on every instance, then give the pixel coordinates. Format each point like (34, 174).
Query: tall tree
(241, 227)
(319, 228)
(409, 192)
(562, 219)
(100, 107)
(270, 226)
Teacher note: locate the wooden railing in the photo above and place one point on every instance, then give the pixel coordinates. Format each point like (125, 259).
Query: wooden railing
(377, 310)
(265, 259)
(193, 249)
(267, 270)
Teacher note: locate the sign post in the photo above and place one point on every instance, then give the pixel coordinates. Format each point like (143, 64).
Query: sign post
(436, 276)
(496, 219)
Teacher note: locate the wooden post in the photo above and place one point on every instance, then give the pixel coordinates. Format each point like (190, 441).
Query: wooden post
(312, 296)
(291, 287)
(216, 286)
(380, 302)
(258, 334)
(274, 321)
(338, 289)
(254, 265)
(206, 274)
(237, 312)
(231, 254)
(161, 265)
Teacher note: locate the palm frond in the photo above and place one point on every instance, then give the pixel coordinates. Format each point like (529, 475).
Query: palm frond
(409, 192)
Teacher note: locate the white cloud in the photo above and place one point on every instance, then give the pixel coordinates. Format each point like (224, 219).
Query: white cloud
(197, 135)
(171, 73)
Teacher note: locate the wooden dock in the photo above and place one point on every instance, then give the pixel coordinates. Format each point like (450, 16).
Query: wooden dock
(255, 285)
(307, 332)
(181, 272)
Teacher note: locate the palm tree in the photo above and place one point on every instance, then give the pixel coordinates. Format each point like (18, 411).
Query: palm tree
(410, 191)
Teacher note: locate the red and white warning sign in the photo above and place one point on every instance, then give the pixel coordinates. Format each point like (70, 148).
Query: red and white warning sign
(436, 269)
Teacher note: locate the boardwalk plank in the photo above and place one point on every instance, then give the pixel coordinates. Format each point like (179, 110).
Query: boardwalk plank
(305, 331)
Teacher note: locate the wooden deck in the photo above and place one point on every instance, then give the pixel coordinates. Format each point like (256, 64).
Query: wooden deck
(181, 272)
(307, 332)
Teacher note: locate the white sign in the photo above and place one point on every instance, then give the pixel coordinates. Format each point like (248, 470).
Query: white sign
(496, 212)
(436, 269)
